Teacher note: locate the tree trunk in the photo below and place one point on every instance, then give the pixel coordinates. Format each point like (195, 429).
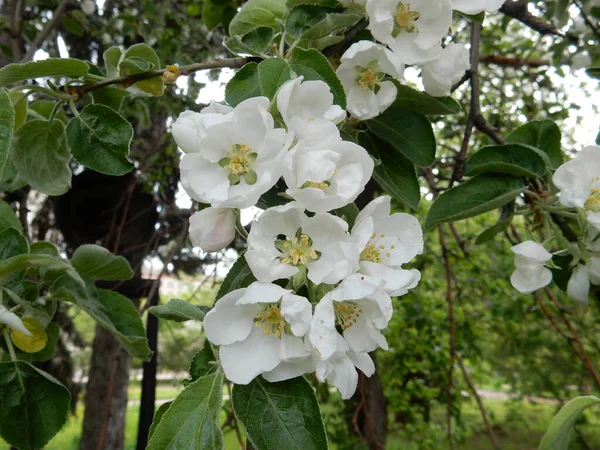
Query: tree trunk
(106, 395)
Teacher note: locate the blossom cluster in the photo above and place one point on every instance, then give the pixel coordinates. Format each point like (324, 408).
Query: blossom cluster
(578, 182)
(409, 33)
(323, 290)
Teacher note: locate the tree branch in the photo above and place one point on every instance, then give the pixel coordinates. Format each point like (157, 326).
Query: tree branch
(235, 63)
(43, 35)
(519, 10)
(514, 62)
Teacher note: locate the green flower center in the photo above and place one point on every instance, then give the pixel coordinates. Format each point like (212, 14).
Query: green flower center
(405, 19)
(239, 163)
(593, 200)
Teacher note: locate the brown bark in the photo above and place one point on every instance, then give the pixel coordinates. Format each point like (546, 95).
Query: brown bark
(106, 395)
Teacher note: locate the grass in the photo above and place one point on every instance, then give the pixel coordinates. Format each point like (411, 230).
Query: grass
(518, 425)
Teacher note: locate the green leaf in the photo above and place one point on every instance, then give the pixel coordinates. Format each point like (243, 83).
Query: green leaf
(158, 415)
(558, 435)
(513, 159)
(423, 103)
(212, 13)
(43, 248)
(593, 72)
(282, 415)
(51, 67)
(100, 264)
(12, 243)
(8, 218)
(255, 43)
(20, 262)
(542, 134)
(19, 102)
(408, 132)
(477, 196)
(112, 56)
(110, 309)
(179, 311)
(52, 333)
(42, 109)
(239, 276)
(99, 138)
(493, 231)
(130, 64)
(244, 85)
(7, 125)
(109, 96)
(272, 73)
(395, 174)
(348, 213)
(314, 66)
(310, 22)
(41, 156)
(191, 422)
(203, 362)
(34, 405)
(257, 13)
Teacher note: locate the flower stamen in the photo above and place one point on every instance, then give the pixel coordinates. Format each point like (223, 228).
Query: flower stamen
(406, 18)
(346, 314)
(298, 251)
(271, 320)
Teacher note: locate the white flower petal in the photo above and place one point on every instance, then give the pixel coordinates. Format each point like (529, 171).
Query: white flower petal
(12, 320)
(228, 322)
(578, 287)
(259, 292)
(213, 229)
(297, 311)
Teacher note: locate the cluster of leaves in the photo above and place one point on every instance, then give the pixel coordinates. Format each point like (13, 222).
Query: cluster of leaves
(33, 280)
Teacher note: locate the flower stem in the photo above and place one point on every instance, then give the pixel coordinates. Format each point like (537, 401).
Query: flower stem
(9, 345)
(312, 294)
(240, 227)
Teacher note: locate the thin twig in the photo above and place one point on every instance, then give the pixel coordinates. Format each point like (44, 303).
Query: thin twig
(451, 331)
(128, 80)
(519, 10)
(43, 35)
(488, 427)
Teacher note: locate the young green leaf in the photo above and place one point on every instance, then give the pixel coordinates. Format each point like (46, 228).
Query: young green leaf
(34, 405)
(43, 248)
(158, 415)
(477, 196)
(203, 362)
(100, 264)
(244, 85)
(52, 334)
(7, 125)
(423, 103)
(19, 102)
(99, 138)
(542, 134)
(8, 217)
(192, 420)
(51, 67)
(254, 43)
(110, 309)
(41, 155)
(142, 58)
(513, 159)
(408, 132)
(20, 262)
(257, 13)
(239, 276)
(558, 435)
(111, 57)
(314, 66)
(272, 73)
(282, 415)
(179, 311)
(396, 174)
(12, 243)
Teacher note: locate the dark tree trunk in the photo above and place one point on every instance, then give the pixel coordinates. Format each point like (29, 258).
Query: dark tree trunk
(106, 395)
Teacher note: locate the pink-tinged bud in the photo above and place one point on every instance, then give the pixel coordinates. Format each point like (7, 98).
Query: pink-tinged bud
(213, 229)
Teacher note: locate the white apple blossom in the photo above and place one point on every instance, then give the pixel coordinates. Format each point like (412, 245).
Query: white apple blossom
(190, 127)
(257, 328)
(213, 229)
(284, 241)
(412, 29)
(359, 309)
(476, 6)
(362, 68)
(530, 274)
(444, 72)
(12, 321)
(326, 176)
(308, 105)
(579, 183)
(238, 160)
(386, 242)
(339, 368)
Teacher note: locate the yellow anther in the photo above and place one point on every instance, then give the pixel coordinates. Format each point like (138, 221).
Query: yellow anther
(299, 251)
(346, 314)
(368, 79)
(370, 253)
(313, 184)
(593, 200)
(271, 320)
